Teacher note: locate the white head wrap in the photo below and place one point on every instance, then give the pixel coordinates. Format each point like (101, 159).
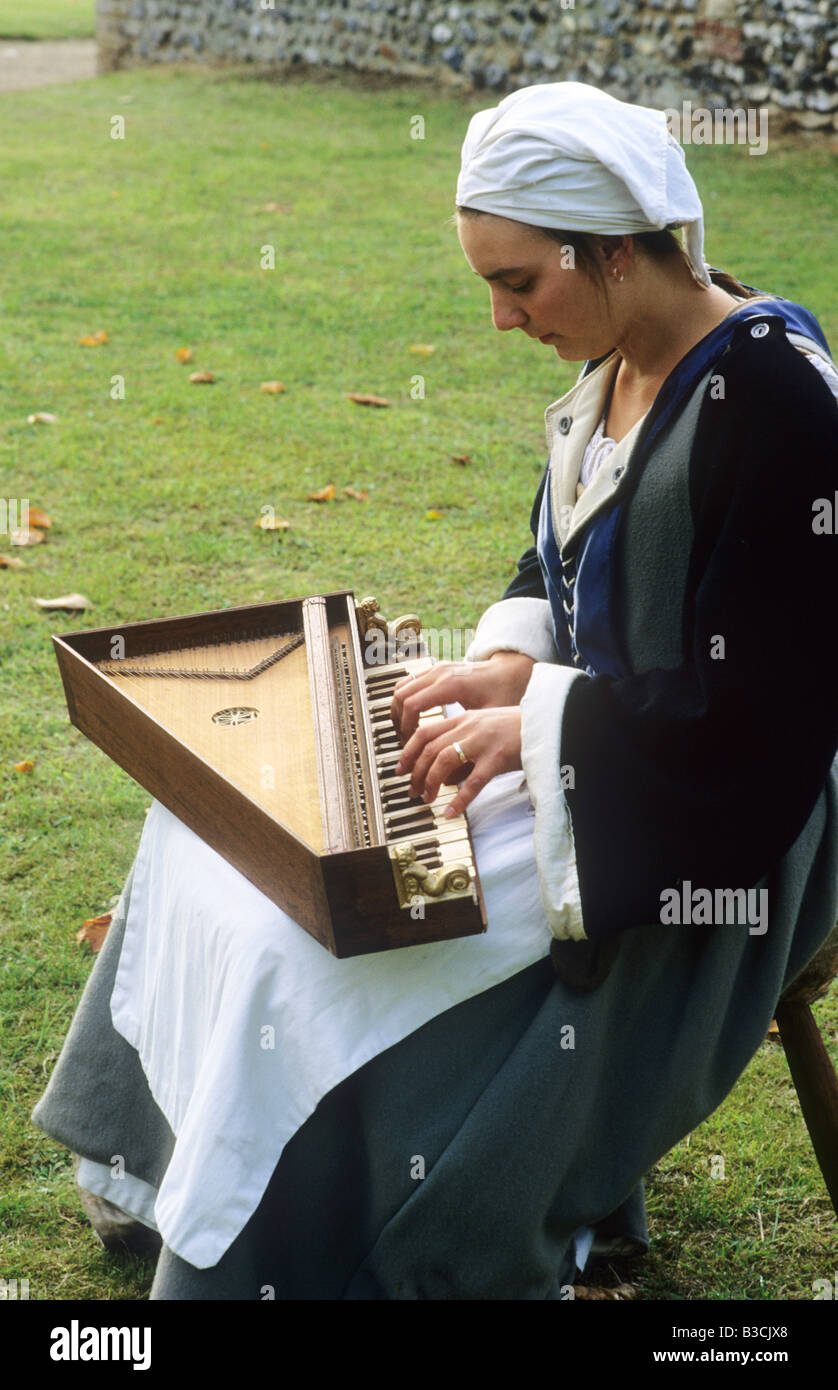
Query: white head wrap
(567, 155)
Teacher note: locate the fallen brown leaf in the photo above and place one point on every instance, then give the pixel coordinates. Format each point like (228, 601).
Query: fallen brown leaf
(158, 420)
(32, 536)
(94, 931)
(464, 459)
(272, 388)
(39, 518)
(272, 523)
(94, 339)
(202, 378)
(26, 766)
(42, 417)
(10, 562)
(183, 355)
(71, 603)
(326, 494)
(364, 398)
(362, 496)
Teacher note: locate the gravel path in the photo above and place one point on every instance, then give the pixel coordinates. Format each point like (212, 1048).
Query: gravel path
(24, 63)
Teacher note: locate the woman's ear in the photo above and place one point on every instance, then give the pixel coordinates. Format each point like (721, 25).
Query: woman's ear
(616, 253)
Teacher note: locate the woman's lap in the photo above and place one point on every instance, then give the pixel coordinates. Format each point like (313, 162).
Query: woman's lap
(521, 1137)
(532, 1110)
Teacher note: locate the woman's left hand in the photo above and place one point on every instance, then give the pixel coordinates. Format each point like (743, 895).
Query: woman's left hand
(490, 740)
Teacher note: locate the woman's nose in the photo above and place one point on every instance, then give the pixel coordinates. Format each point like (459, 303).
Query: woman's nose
(505, 312)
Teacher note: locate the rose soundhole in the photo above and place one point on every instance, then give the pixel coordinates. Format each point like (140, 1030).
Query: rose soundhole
(238, 715)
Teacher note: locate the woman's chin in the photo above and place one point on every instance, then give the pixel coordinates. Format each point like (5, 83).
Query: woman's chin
(567, 351)
(574, 351)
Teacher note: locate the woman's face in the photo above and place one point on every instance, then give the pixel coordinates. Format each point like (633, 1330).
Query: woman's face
(534, 286)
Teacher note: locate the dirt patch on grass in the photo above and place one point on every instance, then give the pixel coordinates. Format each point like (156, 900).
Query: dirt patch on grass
(40, 63)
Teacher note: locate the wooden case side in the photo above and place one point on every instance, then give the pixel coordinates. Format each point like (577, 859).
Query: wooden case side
(189, 629)
(279, 864)
(337, 826)
(365, 913)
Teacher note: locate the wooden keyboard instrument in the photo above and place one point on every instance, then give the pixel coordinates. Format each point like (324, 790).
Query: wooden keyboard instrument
(266, 730)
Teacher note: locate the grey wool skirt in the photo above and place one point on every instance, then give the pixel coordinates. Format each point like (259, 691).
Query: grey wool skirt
(460, 1163)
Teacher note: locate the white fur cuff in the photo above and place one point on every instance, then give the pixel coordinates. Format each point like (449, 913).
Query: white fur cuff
(542, 711)
(515, 625)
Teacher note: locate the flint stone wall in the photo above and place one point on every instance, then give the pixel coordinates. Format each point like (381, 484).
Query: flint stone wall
(776, 54)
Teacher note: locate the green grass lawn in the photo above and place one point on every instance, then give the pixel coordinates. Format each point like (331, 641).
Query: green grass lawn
(157, 239)
(47, 19)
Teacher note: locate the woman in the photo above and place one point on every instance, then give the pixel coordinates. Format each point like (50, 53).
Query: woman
(659, 673)
(661, 341)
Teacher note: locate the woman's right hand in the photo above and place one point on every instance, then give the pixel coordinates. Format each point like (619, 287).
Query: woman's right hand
(502, 680)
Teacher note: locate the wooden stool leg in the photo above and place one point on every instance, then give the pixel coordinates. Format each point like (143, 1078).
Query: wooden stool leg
(816, 1083)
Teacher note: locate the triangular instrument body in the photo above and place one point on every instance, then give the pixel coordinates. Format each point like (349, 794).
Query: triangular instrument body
(250, 725)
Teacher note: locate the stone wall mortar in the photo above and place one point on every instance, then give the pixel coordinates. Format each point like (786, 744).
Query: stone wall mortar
(779, 55)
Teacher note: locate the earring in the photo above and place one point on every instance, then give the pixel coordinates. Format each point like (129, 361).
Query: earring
(618, 275)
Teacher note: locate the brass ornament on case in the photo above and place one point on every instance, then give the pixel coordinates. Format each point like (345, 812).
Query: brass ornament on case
(402, 631)
(414, 879)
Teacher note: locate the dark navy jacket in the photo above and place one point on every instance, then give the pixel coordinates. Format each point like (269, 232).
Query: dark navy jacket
(704, 769)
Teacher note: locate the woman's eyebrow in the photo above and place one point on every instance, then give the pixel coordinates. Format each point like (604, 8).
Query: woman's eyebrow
(500, 274)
